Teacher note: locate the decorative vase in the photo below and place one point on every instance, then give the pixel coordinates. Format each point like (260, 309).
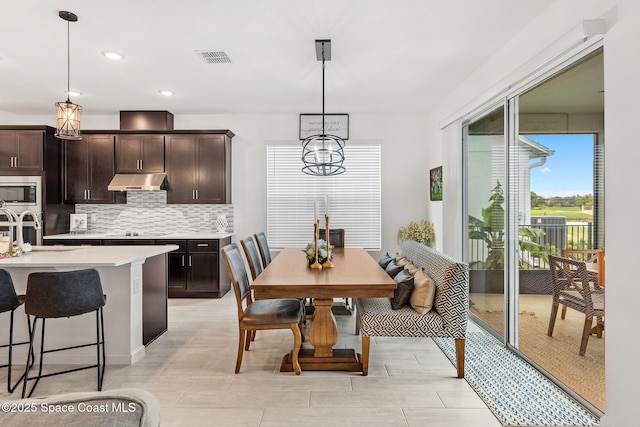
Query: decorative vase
(221, 223)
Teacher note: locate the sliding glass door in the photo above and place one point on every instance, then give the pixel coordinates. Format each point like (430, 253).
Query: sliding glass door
(534, 166)
(484, 139)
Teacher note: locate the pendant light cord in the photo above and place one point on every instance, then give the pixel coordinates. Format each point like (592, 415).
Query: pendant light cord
(323, 132)
(68, 62)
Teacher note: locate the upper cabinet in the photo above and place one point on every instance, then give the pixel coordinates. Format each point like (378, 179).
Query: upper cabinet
(198, 168)
(89, 166)
(140, 153)
(21, 150)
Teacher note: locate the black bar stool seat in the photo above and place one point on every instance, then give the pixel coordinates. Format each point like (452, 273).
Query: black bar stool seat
(52, 295)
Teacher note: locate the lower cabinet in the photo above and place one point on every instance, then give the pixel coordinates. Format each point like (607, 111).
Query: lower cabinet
(196, 269)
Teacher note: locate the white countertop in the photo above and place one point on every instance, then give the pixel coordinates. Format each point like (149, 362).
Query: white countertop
(150, 236)
(88, 256)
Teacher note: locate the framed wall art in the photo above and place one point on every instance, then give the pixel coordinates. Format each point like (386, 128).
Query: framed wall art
(334, 124)
(435, 183)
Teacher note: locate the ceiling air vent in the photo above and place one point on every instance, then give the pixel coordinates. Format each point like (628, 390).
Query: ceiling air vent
(213, 56)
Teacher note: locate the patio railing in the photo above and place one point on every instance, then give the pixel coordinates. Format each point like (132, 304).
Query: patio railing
(557, 236)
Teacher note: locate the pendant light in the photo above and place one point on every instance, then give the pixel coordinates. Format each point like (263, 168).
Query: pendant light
(68, 113)
(323, 155)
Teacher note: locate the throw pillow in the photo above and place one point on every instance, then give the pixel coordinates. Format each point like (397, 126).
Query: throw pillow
(402, 261)
(385, 260)
(424, 290)
(404, 288)
(412, 268)
(393, 268)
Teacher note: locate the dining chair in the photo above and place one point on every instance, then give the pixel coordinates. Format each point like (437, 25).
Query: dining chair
(336, 239)
(572, 287)
(253, 259)
(9, 302)
(64, 294)
(277, 313)
(263, 246)
(336, 236)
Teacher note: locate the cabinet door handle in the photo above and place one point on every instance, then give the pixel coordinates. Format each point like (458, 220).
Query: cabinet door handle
(189, 260)
(183, 260)
(203, 245)
(141, 167)
(193, 194)
(197, 195)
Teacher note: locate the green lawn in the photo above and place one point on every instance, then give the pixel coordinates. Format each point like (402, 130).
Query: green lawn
(572, 213)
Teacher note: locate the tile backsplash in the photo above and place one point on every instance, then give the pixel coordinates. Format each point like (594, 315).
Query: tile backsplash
(149, 213)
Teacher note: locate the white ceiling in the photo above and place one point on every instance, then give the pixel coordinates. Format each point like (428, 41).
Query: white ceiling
(387, 55)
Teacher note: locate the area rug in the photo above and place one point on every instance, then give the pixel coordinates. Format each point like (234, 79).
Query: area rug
(558, 355)
(515, 391)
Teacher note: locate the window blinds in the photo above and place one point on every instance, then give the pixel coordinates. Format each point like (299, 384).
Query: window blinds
(352, 200)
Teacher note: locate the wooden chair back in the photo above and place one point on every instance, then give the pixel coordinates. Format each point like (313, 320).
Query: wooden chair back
(594, 259)
(253, 259)
(336, 236)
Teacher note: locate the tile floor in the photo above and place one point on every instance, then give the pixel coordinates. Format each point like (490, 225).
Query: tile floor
(190, 370)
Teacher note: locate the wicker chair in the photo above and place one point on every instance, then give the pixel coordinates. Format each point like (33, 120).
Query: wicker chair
(573, 288)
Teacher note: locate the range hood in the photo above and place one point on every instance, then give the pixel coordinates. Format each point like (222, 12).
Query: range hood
(137, 182)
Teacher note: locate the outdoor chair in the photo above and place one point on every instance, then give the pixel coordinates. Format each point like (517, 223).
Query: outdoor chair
(573, 288)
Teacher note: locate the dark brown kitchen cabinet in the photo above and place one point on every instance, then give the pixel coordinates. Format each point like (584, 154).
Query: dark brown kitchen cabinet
(140, 153)
(154, 290)
(21, 150)
(196, 269)
(89, 167)
(198, 168)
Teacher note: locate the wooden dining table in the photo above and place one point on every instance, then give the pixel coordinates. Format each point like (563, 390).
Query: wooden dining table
(355, 274)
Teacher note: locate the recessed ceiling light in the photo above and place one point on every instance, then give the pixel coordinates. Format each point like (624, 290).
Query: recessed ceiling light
(112, 55)
(166, 92)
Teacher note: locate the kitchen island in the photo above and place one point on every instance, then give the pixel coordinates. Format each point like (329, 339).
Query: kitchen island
(134, 279)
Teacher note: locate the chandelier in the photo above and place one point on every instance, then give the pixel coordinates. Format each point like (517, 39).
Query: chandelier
(68, 113)
(323, 155)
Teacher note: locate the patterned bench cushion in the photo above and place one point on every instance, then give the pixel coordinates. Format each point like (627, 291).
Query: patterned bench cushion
(377, 318)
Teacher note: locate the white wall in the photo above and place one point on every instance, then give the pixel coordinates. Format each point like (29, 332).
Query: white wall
(536, 43)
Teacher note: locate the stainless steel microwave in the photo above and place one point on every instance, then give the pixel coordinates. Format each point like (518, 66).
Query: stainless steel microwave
(21, 192)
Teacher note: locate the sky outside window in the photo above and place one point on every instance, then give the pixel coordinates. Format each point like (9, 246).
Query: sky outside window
(569, 171)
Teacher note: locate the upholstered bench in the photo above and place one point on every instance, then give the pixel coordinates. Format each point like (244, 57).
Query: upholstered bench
(447, 318)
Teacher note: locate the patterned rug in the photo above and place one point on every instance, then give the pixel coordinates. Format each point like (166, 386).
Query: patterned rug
(515, 391)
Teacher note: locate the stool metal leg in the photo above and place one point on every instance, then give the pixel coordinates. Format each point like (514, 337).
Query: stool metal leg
(32, 332)
(100, 355)
(9, 365)
(100, 334)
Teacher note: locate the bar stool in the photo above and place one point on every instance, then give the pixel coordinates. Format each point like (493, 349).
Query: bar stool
(56, 294)
(9, 302)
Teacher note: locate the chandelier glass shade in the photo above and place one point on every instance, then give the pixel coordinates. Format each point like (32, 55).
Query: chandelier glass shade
(67, 113)
(68, 120)
(323, 155)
